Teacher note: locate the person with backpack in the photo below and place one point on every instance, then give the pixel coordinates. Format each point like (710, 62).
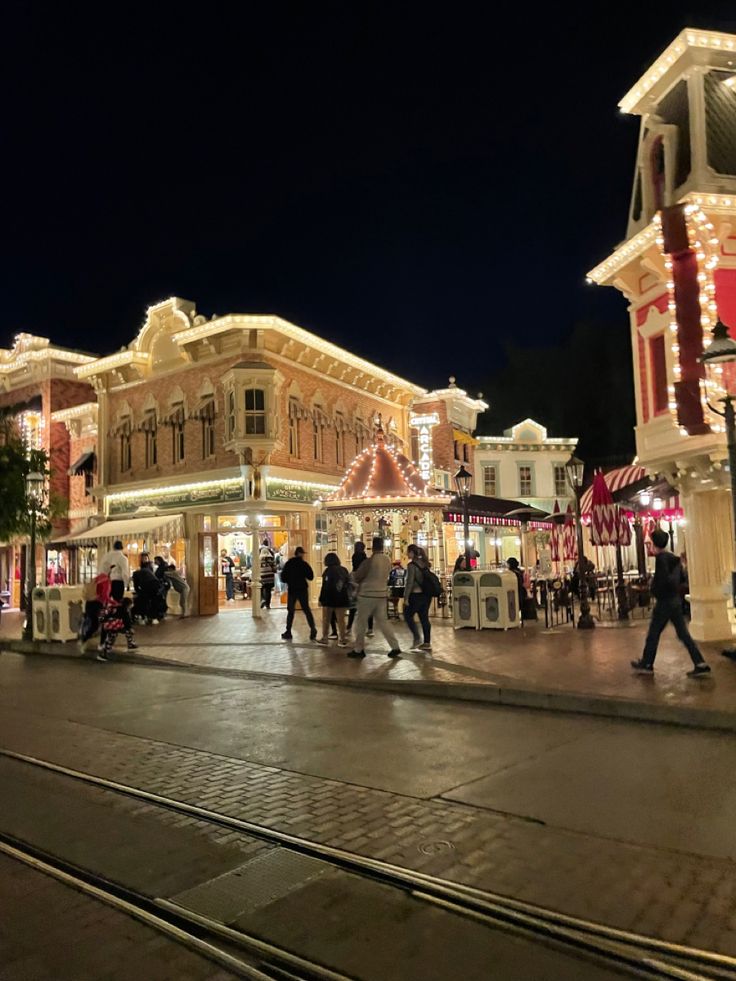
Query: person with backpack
(371, 577)
(297, 574)
(668, 608)
(334, 598)
(418, 592)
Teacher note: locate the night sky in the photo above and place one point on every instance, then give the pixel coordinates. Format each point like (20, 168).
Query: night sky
(417, 186)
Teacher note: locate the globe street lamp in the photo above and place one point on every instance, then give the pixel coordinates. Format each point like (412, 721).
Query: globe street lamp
(722, 350)
(575, 470)
(463, 480)
(34, 498)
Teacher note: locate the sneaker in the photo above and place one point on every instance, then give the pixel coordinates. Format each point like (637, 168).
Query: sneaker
(286, 635)
(699, 670)
(342, 643)
(132, 647)
(81, 644)
(416, 648)
(323, 642)
(641, 667)
(100, 648)
(427, 648)
(231, 601)
(155, 622)
(312, 634)
(333, 636)
(396, 653)
(356, 654)
(369, 633)
(101, 656)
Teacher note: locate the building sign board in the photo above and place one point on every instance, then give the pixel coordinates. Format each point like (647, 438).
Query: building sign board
(175, 500)
(294, 493)
(424, 424)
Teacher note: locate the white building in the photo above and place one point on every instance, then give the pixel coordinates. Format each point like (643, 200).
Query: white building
(525, 464)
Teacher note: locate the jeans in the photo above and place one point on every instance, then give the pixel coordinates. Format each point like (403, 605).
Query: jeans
(300, 596)
(117, 589)
(373, 607)
(266, 590)
(418, 604)
(666, 611)
(229, 587)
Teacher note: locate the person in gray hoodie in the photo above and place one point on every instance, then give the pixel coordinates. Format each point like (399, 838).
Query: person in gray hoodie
(371, 577)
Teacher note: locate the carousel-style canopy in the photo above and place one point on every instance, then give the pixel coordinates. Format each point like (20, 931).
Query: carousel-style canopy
(380, 475)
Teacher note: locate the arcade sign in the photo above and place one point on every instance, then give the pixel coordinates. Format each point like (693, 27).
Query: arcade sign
(424, 424)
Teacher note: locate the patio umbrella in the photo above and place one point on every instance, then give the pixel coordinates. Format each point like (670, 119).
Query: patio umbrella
(624, 528)
(569, 538)
(604, 519)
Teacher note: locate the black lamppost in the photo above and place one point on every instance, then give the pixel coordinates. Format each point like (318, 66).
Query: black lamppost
(463, 480)
(722, 350)
(575, 472)
(34, 498)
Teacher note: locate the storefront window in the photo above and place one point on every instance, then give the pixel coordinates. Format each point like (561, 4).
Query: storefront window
(320, 537)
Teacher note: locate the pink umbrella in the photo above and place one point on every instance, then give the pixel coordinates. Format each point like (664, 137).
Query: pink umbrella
(569, 538)
(554, 542)
(604, 519)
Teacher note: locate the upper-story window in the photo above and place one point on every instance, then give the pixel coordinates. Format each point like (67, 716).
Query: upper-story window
(340, 439)
(294, 413)
(525, 481)
(206, 414)
(177, 433)
(230, 415)
(150, 431)
(658, 366)
(490, 481)
(255, 412)
(318, 441)
(560, 476)
(124, 444)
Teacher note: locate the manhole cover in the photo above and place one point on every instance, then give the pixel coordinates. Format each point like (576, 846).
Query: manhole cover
(435, 847)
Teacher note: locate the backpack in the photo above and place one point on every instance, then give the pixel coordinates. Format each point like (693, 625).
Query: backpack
(430, 584)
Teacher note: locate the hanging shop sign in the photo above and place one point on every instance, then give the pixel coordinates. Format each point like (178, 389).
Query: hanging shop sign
(175, 499)
(296, 492)
(424, 425)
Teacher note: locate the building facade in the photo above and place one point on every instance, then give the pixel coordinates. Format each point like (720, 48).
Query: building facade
(677, 272)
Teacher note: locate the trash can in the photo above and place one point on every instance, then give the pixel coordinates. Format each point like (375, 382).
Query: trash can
(66, 609)
(498, 601)
(40, 613)
(465, 600)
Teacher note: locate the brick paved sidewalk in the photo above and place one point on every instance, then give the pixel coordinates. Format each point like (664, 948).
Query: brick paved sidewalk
(555, 669)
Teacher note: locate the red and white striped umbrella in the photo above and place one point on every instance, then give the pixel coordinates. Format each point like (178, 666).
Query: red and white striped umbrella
(554, 541)
(624, 528)
(604, 520)
(569, 537)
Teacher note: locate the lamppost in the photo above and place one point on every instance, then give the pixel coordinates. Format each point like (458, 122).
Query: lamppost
(575, 470)
(463, 480)
(722, 350)
(34, 497)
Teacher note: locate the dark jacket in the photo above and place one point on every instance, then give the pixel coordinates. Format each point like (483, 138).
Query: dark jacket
(297, 574)
(334, 590)
(668, 576)
(358, 557)
(145, 582)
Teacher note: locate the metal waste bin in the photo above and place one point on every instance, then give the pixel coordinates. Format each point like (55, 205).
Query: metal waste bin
(40, 613)
(465, 600)
(66, 609)
(498, 601)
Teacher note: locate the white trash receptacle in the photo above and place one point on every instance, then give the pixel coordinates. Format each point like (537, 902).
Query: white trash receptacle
(465, 600)
(66, 609)
(498, 601)
(40, 613)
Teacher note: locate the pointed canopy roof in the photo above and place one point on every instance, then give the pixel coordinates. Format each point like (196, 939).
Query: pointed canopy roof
(380, 474)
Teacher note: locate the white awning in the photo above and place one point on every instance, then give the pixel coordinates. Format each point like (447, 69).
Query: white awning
(167, 525)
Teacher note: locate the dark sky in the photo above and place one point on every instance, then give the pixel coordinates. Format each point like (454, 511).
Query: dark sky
(414, 185)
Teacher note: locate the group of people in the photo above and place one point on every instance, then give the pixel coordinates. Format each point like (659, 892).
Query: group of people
(269, 565)
(358, 597)
(108, 610)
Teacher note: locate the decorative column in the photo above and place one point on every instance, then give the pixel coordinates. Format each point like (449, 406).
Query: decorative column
(709, 538)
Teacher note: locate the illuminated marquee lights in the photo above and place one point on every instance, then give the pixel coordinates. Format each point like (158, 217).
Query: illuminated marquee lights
(424, 425)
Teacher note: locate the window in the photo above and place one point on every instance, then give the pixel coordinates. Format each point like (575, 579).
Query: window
(150, 428)
(125, 449)
(89, 481)
(230, 415)
(560, 478)
(658, 368)
(318, 434)
(340, 439)
(293, 426)
(255, 412)
(177, 433)
(208, 437)
(489, 480)
(525, 481)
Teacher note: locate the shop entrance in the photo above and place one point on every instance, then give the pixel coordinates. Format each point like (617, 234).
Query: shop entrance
(237, 541)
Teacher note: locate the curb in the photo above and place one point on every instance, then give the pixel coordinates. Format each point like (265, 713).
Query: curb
(607, 706)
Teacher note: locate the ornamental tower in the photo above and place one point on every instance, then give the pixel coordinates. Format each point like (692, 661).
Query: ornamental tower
(677, 270)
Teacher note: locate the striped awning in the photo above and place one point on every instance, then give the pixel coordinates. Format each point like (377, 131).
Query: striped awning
(166, 526)
(616, 480)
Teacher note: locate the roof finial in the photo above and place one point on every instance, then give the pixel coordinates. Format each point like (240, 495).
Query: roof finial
(452, 382)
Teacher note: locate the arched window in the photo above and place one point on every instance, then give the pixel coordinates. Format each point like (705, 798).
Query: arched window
(318, 427)
(340, 439)
(255, 412)
(294, 413)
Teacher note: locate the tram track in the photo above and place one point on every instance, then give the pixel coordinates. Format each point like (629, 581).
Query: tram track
(640, 955)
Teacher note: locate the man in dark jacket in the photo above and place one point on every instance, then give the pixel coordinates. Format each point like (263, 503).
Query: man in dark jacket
(666, 591)
(297, 574)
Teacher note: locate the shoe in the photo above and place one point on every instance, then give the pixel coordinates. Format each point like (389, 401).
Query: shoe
(286, 635)
(416, 648)
(100, 648)
(333, 636)
(370, 633)
(81, 645)
(342, 643)
(231, 601)
(101, 656)
(395, 653)
(427, 648)
(155, 622)
(323, 642)
(356, 654)
(312, 634)
(699, 670)
(132, 647)
(641, 667)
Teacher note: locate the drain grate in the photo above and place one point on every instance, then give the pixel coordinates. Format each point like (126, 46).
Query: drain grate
(251, 886)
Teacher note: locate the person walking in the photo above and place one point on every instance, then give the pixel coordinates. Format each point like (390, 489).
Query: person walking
(226, 569)
(668, 608)
(297, 574)
(115, 565)
(416, 601)
(179, 584)
(358, 558)
(268, 576)
(371, 577)
(334, 598)
(115, 620)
